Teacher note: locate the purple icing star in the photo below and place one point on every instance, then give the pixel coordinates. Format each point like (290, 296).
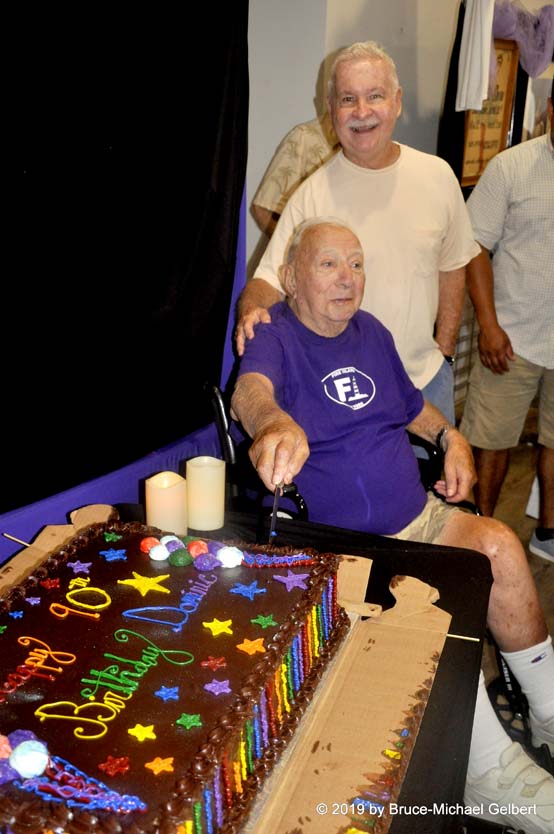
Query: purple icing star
(113, 555)
(249, 591)
(293, 580)
(79, 567)
(168, 693)
(33, 600)
(218, 687)
(206, 561)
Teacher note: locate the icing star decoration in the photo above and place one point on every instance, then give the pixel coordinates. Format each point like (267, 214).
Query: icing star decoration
(115, 765)
(113, 555)
(248, 591)
(293, 580)
(143, 584)
(79, 567)
(158, 765)
(264, 622)
(168, 693)
(219, 626)
(218, 687)
(111, 537)
(213, 663)
(188, 721)
(141, 732)
(251, 646)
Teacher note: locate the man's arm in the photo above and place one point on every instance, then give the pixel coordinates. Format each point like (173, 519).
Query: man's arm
(265, 218)
(459, 468)
(252, 308)
(280, 447)
(495, 347)
(449, 314)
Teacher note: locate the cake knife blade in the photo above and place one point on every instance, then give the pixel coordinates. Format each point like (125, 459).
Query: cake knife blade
(276, 497)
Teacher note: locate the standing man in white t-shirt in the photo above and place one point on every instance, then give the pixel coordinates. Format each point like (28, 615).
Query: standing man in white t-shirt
(406, 208)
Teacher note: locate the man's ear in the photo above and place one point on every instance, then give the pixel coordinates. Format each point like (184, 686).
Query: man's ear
(287, 279)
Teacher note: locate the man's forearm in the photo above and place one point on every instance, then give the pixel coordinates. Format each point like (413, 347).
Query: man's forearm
(265, 218)
(257, 293)
(428, 422)
(451, 304)
(253, 403)
(480, 285)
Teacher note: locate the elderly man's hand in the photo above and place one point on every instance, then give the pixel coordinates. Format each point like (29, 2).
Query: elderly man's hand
(279, 451)
(459, 468)
(245, 326)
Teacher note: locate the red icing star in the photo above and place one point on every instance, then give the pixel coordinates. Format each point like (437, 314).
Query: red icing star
(113, 766)
(214, 663)
(50, 583)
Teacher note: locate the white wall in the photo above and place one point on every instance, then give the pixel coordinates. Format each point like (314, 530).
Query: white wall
(286, 46)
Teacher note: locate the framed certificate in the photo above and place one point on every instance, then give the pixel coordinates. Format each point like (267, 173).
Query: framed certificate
(487, 130)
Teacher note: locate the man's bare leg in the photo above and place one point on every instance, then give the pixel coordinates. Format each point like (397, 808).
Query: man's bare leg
(491, 466)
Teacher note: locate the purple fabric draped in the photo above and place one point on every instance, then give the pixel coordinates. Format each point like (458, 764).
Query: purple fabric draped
(534, 34)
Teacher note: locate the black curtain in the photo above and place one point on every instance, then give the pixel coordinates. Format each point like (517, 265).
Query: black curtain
(134, 142)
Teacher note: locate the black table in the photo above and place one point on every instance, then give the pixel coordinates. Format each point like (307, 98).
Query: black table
(437, 769)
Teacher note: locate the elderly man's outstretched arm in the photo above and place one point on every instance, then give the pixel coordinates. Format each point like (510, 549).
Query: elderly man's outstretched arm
(280, 448)
(459, 468)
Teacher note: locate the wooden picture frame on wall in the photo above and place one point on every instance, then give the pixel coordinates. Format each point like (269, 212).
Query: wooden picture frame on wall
(487, 130)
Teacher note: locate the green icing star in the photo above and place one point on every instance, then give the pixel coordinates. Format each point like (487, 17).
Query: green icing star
(264, 622)
(111, 537)
(2, 629)
(188, 721)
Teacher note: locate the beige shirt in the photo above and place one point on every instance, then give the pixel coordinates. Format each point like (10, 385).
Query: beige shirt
(304, 148)
(412, 222)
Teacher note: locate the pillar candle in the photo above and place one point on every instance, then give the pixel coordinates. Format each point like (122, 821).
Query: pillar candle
(206, 493)
(166, 502)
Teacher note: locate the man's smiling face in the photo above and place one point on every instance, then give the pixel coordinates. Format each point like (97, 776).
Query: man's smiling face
(365, 107)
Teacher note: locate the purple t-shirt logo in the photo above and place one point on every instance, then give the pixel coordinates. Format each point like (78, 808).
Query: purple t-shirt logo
(349, 387)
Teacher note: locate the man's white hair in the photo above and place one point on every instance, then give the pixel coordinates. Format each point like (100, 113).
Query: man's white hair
(368, 50)
(299, 232)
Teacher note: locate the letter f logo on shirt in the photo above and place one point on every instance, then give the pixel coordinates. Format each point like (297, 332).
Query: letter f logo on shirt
(349, 387)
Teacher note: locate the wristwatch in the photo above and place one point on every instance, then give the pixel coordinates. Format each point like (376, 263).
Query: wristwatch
(450, 359)
(441, 435)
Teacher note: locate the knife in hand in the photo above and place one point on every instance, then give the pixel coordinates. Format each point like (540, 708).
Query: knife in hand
(276, 498)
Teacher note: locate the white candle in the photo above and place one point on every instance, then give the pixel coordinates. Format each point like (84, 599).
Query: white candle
(166, 502)
(206, 493)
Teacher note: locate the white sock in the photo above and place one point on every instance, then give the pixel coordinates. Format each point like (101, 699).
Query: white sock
(534, 670)
(488, 737)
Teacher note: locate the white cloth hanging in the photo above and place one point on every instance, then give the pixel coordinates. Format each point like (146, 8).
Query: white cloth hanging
(475, 55)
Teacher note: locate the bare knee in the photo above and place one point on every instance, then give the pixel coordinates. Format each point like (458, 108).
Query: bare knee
(502, 547)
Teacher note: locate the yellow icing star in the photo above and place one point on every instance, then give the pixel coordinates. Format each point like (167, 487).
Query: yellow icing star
(141, 732)
(158, 765)
(251, 646)
(219, 627)
(146, 583)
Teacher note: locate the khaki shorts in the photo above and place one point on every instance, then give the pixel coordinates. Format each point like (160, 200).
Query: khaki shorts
(497, 405)
(427, 527)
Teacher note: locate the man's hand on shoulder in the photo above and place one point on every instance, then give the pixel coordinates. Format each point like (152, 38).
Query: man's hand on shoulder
(257, 296)
(459, 468)
(495, 349)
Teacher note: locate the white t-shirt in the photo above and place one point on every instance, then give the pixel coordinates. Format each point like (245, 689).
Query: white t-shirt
(512, 211)
(412, 223)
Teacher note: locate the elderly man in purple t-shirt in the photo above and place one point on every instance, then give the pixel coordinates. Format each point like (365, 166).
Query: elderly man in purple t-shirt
(324, 395)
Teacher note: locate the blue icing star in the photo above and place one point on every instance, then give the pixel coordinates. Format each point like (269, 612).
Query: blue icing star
(79, 567)
(218, 687)
(249, 591)
(17, 615)
(113, 555)
(168, 693)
